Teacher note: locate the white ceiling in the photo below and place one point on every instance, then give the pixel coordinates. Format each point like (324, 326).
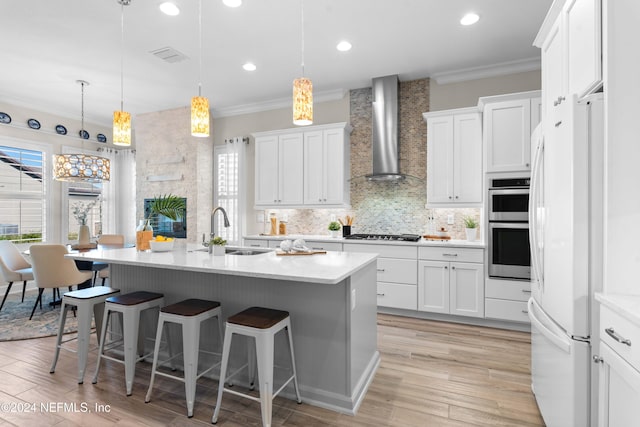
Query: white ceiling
(49, 44)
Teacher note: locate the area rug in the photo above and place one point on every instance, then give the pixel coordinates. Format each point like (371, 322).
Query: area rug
(15, 323)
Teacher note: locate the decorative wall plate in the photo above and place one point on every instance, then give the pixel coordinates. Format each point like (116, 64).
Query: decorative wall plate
(83, 134)
(101, 138)
(5, 118)
(61, 130)
(33, 124)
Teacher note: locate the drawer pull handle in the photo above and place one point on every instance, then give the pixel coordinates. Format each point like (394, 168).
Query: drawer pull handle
(317, 249)
(255, 246)
(380, 270)
(380, 295)
(558, 123)
(617, 337)
(525, 311)
(526, 291)
(597, 359)
(449, 254)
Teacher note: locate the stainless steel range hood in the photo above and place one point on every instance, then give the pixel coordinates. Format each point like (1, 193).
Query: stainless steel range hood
(385, 131)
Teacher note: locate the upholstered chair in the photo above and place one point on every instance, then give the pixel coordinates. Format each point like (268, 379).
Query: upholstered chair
(13, 268)
(52, 270)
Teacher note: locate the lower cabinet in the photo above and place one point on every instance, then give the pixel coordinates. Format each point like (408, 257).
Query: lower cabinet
(451, 287)
(256, 243)
(619, 395)
(507, 300)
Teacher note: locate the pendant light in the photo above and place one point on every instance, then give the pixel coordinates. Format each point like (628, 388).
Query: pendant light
(200, 104)
(81, 167)
(302, 89)
(122, 119)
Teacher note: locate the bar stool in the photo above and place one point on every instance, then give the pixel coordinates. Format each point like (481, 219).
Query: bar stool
(87, 301)
(262, 324)
(190, 314)
(130, 306)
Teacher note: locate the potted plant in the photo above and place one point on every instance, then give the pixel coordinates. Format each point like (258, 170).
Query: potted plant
(168, 205)
(471, 225)
(216, 246)
(334, 227)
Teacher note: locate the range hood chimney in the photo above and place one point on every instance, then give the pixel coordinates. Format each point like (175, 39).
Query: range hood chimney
(385, 132)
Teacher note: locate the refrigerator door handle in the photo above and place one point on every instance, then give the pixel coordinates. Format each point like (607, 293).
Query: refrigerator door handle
(546, 328)
(533, 210)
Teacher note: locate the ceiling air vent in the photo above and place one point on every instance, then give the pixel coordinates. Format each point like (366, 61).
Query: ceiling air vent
(169, 54)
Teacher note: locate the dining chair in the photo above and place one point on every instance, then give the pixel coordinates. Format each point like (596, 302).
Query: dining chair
(101, 269)
(13, 268)
(52, 270)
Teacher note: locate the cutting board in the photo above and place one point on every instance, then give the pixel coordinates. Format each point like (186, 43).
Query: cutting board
(282, 253)
(434, 237)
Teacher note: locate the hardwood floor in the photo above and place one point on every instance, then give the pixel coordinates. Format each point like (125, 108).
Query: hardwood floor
(431, 374)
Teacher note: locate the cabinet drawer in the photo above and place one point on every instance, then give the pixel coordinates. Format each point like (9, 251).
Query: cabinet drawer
(398, 270)
(515, 311)
(398, 295)
(256, 243)
(384, 250)
(320, 245)
(508, 289)
(451, 254)
(612, 324)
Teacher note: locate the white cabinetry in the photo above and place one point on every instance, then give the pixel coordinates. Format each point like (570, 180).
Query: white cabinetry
(451, 281)
(619, 395)
(508, 121)
(507, 299)
(296, 168)
(326, 167)
(454, 157)
(397, 273)
(279, 175)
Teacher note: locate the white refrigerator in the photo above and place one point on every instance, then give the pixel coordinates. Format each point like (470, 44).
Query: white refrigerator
(565, 217)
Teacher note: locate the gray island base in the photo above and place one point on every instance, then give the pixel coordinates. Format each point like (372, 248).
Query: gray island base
(331, 299)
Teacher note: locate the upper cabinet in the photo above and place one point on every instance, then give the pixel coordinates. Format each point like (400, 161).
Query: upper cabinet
(454, 157)
(302, 167)
(508, 123)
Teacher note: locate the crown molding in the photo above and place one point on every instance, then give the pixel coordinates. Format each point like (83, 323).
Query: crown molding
(275, 104)
(504, 68)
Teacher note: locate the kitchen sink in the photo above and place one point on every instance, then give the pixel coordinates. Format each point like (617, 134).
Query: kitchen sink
(236, 250)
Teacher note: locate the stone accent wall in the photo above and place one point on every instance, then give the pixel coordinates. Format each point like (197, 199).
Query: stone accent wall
(164, 136)
(385, 207)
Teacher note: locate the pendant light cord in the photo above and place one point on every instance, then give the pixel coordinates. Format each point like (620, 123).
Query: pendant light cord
(82, 110)
(200, 47)
(302, 32)
(122, 55)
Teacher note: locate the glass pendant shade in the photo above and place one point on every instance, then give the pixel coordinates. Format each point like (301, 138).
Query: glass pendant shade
(302, 102)
(81, 168)
(121, 128)
(199, 116)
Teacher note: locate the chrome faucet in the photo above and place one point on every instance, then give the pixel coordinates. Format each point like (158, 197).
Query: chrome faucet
(213, 222)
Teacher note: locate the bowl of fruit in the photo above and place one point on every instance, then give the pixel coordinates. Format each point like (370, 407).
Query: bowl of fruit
(161, 244)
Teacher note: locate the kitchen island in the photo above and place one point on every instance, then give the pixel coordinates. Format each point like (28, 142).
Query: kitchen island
(331, 299)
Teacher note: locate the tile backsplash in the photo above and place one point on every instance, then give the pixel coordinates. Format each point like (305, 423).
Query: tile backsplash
(385, 207)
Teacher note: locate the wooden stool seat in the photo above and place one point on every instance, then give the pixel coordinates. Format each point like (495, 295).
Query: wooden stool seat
(134, 298)
(258, 317)
(190, 307)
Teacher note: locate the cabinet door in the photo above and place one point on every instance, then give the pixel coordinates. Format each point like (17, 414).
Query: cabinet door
(467, 155)
(433, 286)
(314, 159)
(584, 45)
(266, 170)
(466, 297)
(440, 159)
(553, 69)
(507, 128)
(334, 166)
(290, 167)
(619, 391)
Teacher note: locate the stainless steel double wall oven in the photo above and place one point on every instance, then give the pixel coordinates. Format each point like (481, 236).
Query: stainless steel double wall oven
(509, 252)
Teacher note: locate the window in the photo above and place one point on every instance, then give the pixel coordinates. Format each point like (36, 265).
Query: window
(22, 194)
(228, 188)
(85, 196)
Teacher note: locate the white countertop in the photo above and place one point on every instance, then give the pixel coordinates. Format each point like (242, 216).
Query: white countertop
(329, 268)
(326, 238)
(628, 306)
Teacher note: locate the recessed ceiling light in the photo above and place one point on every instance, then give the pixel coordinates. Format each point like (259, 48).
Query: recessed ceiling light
(469, 19)
(249, 66)
(343, 46)
(232, 3)
(169, 8)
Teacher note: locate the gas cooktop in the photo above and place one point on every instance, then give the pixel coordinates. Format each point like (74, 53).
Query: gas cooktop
(394, 237)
